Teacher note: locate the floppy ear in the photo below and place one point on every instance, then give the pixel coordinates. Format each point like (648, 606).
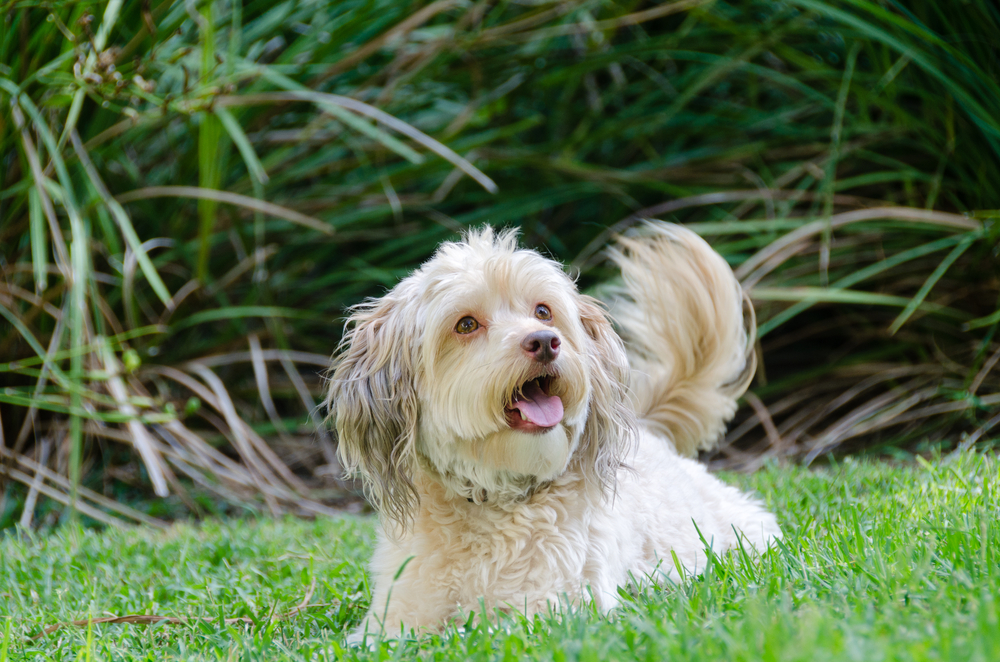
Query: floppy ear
(373, 402)
(611, 424)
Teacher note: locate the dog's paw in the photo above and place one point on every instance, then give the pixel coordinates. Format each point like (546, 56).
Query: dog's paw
(363, 637)
(361, 640)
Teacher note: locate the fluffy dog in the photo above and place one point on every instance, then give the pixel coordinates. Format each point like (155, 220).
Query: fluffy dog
(518, 455)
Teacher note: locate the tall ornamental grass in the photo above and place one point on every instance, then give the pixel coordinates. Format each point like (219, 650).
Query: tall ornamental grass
(193, 191)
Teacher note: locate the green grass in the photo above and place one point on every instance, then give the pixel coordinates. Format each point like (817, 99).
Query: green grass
(880, 561)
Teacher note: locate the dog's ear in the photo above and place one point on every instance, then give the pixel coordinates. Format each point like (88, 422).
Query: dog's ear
(373, 402)
(611, 423)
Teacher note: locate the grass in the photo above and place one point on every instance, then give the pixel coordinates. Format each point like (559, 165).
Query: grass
(880, 561)
(191, 193)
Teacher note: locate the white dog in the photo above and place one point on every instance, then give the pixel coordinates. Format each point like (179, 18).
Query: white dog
(518, 455)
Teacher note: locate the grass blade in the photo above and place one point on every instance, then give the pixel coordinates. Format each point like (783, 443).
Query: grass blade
(345, 116)
(239, 312)
(210, 154)
(859, 276)
(932, 280)
(826, 294)
(124, 222)
(326, 100)
(239, 138)
(39, 244)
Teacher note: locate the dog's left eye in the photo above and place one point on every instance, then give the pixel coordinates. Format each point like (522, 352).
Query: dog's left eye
(466, 325)
(542, 312)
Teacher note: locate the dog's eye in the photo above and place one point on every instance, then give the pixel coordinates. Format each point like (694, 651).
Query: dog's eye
(466, 325)
(542, 312)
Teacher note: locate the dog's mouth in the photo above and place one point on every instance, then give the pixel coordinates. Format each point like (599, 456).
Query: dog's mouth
(533, 408)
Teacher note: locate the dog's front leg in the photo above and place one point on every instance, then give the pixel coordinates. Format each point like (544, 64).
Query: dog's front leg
(402, 612)
(411, 594)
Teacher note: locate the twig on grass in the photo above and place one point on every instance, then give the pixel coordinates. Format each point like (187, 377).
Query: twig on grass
(151, 619)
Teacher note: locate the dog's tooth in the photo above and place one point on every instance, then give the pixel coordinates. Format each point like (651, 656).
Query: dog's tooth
(523, 417)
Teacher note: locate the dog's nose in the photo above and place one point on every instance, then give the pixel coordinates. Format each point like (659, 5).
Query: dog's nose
(543, 346)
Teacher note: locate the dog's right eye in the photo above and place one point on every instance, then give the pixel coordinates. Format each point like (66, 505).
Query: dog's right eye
(466, 325)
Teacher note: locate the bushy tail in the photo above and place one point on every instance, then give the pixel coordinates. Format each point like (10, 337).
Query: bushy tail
(680, 312)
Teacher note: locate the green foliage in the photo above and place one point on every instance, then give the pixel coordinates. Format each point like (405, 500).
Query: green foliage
(878, 562)
(205, 186)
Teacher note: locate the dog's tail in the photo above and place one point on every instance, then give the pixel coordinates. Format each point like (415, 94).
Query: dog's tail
(680, 312)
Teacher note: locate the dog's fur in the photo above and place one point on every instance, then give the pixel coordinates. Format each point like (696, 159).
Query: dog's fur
(476, 510)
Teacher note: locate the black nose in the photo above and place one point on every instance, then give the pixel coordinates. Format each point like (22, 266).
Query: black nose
(542, 346)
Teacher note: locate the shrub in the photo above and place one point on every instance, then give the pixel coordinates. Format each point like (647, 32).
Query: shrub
(194, 192)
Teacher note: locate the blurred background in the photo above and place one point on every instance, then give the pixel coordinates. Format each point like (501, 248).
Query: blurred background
(193, 192)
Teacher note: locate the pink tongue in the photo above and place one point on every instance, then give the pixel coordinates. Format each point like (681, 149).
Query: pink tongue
(542, 410)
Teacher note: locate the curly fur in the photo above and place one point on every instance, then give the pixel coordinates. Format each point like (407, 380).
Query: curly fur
(681, 315)
(475, 509)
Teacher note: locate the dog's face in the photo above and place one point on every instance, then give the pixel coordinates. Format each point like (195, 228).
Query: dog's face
(486, 369)
(504, 384)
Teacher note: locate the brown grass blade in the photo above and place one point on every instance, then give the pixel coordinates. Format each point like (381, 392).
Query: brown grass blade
(83, 492)
(263, 387)
(806, 232)
(984, 372)
(28, 512)
(228, 198)
(405, 26)
(151, 619)
(141, 439)
(609, 24)
(62, 497)
(215, 360)
(246, 434)
(764, 416)
(30, 416)
(326, 443)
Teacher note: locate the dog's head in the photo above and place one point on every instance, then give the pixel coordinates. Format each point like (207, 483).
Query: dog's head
(485, 368)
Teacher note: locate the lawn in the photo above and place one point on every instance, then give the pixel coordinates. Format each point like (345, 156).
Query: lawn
(880, 561)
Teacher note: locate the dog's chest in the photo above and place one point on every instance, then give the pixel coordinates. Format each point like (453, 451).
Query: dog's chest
(534, 553)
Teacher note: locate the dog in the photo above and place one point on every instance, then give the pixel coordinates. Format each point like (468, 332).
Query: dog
(519, 456)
